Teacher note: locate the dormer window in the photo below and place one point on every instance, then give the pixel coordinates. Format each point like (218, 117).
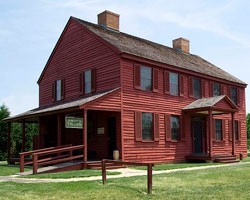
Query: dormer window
(88, 81)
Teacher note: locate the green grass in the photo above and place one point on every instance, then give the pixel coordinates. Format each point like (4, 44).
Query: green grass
(159, 167)
(71, 174)
(247, 159)
(228, 182)
(6, 169)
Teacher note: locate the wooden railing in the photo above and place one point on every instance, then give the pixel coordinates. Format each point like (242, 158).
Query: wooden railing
(148, 165)
(49, 156)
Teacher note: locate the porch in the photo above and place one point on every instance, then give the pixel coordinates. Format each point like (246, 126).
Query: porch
(81, 130)
(205, 132)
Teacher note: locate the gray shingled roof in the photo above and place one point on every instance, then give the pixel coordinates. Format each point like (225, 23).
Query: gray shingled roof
(146, 49)
(204, 102)
(63, 106)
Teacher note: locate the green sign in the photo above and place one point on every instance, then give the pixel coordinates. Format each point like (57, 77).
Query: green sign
(73, 122)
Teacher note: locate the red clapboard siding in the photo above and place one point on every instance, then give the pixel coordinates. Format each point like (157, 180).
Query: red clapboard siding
(164, 105)
(76, 52)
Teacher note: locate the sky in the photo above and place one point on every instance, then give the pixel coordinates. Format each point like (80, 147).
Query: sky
(218, 31)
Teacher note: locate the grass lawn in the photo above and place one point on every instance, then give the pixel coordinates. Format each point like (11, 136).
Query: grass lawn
(6, 169)
(229, 182)
(158, 167)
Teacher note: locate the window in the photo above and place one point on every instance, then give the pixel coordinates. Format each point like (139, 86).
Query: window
(216, 89)
(146, 78)
(88, 81)
(58, 90)
(233, 95)
(218, 129)
(197, 88)
(175, 127)
(174, 84)
(236, 129)
(87, 78)
(147, 126)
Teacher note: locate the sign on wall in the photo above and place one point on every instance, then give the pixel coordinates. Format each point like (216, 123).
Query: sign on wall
(100, 130)
(74, 122)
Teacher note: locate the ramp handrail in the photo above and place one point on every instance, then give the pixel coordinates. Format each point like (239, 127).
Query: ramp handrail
(29, 153)
(59, 158)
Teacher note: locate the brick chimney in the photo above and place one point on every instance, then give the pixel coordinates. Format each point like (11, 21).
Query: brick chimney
(181, 44)
(109, 19)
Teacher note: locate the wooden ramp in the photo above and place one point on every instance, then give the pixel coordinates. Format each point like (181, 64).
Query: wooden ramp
(66, 166)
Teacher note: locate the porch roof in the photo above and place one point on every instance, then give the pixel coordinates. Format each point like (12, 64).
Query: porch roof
(219, 105)
(31, 115)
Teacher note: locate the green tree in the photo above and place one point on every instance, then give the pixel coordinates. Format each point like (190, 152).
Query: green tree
(4, 113)
(248, 130)
(16, 135)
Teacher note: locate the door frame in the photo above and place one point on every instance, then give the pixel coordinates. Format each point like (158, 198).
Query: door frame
(203, 120)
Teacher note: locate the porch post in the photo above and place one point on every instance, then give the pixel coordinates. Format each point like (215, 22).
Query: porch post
(210, 122)
(59, 130)
(8, 141)
(23, 135)
(85, 153)
(233, 134)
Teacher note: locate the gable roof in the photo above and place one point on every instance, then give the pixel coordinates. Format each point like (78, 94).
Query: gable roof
(210, 102)
(136, 46)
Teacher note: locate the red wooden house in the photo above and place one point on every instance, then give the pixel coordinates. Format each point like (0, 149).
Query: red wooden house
(108, 90)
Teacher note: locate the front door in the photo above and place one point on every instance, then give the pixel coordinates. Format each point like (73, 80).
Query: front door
(111, 136)
(197, 134)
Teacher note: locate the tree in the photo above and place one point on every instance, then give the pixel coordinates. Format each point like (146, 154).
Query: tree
(16, 135)
(248, 130)
(4, 113)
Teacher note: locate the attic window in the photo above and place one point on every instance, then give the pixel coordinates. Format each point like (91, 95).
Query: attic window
(58, 90)
(88, 81)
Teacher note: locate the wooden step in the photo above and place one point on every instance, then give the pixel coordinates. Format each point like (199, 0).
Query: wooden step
(225, 159)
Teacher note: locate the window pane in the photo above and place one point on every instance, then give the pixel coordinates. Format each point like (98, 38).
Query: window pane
(147, 126)
(87, 75)
(58, 90)
(197, 88)
(216, 89)
(234, 95)
(174, 84)
(175, 127)
(146, 78)
(218, 129)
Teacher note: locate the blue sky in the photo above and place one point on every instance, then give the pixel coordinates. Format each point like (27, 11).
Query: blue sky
(218, 31)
